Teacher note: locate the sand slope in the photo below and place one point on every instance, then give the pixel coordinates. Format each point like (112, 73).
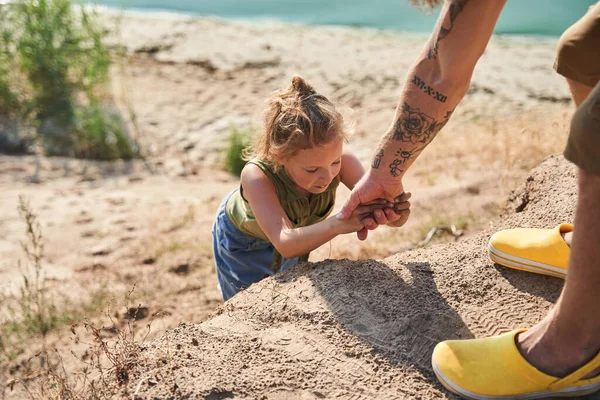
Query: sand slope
(363, 329)
(344, 329)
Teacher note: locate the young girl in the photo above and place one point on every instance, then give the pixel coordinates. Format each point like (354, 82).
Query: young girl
(280, 211)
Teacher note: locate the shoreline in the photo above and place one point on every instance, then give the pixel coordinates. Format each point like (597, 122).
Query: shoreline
(161, 13)
(209, 73)
(517, 67)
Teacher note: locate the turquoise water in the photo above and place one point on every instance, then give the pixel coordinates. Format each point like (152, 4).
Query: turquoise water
(524, 17)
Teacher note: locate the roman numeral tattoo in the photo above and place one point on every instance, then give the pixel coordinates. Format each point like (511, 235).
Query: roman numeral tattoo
(418, 82)
(428, 89)
(456, 8)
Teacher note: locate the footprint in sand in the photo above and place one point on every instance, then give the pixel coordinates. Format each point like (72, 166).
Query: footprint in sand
(182, 269)
(93, 267)
(101, 250)
(84, 220)
(115, 201)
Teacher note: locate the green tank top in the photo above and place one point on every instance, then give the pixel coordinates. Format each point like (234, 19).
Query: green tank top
(301, 210)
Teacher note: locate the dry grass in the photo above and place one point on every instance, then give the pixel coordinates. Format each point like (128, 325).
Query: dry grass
(508, 147)
(32, 319)
(32, 312)
(101, 371)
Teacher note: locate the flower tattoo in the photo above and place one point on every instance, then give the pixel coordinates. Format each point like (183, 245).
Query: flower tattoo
(416, 127)
(413, 126)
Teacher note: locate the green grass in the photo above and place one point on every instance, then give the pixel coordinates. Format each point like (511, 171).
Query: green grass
(101, 134)
(54, 70)
(238, 141)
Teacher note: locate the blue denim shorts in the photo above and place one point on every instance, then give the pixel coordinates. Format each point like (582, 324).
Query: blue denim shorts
(241, 259)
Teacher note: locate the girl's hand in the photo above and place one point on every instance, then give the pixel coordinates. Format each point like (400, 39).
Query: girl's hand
(373, 186)
(355, 221)
(395, 217)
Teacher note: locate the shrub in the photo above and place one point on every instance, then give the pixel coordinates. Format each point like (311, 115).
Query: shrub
(239, 140)
(12, 138)
(62, 67)
(102, 134)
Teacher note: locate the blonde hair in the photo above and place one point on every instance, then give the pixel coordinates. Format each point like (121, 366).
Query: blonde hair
(296, 118)
(427, 4)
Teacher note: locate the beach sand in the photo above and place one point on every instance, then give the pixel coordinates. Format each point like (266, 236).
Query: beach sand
(331, 329)
(363, 329)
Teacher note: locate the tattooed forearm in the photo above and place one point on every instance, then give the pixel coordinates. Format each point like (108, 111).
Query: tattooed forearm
(428, 90)
(377, 159)
(456, 7)
(417, 127)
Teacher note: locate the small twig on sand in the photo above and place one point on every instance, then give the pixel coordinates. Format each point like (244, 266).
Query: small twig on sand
(451, 229)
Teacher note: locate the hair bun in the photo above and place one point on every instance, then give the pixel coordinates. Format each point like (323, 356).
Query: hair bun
(301, 85)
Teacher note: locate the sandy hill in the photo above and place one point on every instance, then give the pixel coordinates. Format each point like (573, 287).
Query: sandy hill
(362, 329)
(348, 329)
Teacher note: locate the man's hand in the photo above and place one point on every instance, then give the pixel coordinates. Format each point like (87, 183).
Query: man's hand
(370, 188)
(402, 209)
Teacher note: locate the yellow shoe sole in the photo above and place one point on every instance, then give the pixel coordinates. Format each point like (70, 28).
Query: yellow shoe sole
(523, 264)
(573, 391)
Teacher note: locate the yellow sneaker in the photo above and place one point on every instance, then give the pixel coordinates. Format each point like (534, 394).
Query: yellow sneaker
(493, 368)
(542, 251)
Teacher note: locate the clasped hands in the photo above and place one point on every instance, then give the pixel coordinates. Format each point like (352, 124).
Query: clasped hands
(390, 195)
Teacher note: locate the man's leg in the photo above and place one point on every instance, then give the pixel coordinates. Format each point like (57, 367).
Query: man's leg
(578, 60)
(569, 336)
(579, 92)
(566, 344)
(534, 250)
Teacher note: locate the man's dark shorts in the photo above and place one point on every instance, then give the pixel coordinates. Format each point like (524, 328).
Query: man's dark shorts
(578, 59)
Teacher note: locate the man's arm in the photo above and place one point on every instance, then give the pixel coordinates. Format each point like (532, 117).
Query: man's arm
(435, 85)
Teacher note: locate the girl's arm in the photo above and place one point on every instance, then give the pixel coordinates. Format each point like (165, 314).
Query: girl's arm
(351, 171)
(289, 241)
